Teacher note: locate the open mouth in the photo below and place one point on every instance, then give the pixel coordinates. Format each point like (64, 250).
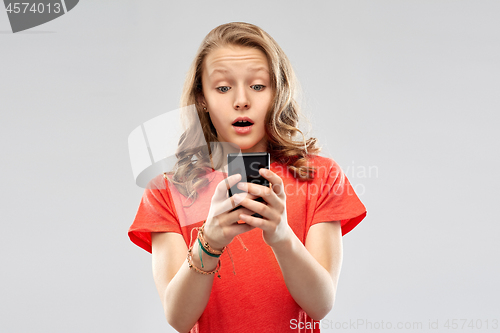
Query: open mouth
(242, 124)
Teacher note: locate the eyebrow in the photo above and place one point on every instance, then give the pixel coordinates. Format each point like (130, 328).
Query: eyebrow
(254, 69)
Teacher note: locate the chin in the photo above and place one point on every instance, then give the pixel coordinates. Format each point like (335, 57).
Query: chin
(245, 146)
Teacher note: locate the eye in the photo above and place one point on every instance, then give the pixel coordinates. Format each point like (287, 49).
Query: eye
(260, 86)
(221, 89)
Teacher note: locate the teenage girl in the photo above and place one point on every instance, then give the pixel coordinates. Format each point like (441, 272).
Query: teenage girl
(283, 276)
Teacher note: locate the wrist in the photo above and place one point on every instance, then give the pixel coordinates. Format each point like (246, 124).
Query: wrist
(211, 242)
(209, 263)
(285, 243)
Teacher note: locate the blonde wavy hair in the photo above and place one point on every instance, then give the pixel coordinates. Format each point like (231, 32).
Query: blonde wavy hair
(280, 123)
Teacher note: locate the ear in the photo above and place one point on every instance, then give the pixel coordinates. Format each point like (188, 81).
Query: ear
(201, 100)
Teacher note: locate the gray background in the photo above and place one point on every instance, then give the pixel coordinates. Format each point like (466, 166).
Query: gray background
(409, 88)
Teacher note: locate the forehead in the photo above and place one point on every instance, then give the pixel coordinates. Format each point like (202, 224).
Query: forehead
(227, 59)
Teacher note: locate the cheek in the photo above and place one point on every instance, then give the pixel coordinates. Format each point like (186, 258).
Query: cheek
(217, 121)
(264, 104)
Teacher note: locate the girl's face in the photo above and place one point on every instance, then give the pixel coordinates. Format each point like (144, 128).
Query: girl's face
(236, 83)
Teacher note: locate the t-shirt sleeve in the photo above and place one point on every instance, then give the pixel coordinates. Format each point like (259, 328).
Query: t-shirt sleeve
(156, 213)
(337, 200)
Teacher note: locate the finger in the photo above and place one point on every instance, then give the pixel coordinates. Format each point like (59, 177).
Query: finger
(265, 193)
(255, 222)
(275, 180)
(230, 203)
(235, 200)
(257, 207)
(224, 185)
(236, 229)
(226, 220)
(235, 215)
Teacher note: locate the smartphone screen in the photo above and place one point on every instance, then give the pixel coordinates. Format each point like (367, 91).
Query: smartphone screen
(248, 165)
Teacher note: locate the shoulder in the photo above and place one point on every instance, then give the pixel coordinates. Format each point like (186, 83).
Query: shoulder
(156, 192)
(158, 182)
(166, 183)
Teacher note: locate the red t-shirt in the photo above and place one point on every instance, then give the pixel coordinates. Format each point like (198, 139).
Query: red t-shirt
(256, 299)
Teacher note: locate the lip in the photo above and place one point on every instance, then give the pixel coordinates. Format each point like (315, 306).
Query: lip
(243, 130)
(243, 119)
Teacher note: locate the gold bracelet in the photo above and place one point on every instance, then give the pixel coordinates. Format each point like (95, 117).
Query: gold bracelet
(205, 243)
(190, 264)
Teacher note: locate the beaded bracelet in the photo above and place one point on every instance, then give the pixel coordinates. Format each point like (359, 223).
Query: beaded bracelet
(206, 251)
(206, 246)
(210, 251)
(190, 264)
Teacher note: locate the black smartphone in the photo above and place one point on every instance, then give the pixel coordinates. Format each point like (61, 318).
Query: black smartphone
(248, 164)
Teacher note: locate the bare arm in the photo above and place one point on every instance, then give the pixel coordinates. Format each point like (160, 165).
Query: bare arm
(184, 293)
(311, 272)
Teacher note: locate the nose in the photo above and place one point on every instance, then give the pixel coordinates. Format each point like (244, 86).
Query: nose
(241, 101)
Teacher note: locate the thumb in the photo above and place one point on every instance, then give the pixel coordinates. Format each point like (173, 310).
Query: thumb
(225, 184)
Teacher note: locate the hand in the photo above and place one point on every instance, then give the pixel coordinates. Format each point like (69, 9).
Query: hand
(274, 223)
(221, 225)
